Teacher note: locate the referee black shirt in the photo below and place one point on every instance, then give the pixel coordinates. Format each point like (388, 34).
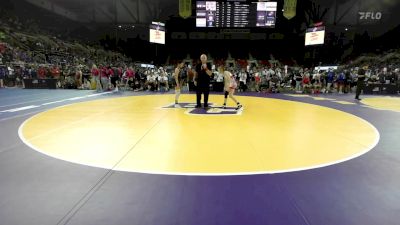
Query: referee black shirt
(203, 79)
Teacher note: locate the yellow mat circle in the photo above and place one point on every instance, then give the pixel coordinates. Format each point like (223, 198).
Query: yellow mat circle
(136, 134)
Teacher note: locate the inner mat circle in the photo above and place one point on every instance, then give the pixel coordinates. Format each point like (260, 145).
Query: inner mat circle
(137, 134)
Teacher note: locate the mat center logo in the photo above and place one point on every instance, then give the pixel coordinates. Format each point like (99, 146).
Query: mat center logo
(212, 110)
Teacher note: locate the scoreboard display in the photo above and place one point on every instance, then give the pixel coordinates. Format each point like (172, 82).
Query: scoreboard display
(236, 13)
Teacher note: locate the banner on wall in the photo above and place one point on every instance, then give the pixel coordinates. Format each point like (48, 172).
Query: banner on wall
(289, 9)
(185, 8)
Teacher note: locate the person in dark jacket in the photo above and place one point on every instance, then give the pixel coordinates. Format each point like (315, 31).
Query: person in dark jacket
(202, 81)
(360, 81)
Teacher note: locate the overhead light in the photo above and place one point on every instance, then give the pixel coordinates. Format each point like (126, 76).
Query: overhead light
(119, 26)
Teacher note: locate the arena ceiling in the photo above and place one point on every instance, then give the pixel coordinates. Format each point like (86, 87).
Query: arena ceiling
(139, 13)
(145, 11)
(115, 11)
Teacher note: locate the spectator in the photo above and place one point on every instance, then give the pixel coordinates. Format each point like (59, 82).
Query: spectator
(162, 80)
(55, 72)
(242, 81)
(78, 77)
(298, 77)
(41, 72)
(274, 84)
(317, 82)
(129, 78)
(348, 81)
(151, 81)
(114, 77)
(329, 80)
(341, 81)
(257, 80)
(2, 75)
(306, 82)
(397, 77)
(96, 78)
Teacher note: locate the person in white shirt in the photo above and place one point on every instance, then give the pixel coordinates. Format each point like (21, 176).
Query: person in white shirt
(317, 82)
(257, 81)
(151, 81)
(242, 80)
(162, 80)
(278, 72)
(229, 87)
(219, 77)
(271, 72)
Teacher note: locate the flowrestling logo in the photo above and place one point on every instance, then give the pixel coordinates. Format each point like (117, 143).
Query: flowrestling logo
(212, 110)
(370, 15)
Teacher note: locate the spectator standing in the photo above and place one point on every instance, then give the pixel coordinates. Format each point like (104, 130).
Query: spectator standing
(162, 80)
(78, 77)
(341, 82)
(360, 82)
(104, 78)
(96, 77)
(242, 81)
(2, 76)
(329, 80)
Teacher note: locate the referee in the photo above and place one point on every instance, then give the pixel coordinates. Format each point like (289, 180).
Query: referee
(202, 80)
(360, 81)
